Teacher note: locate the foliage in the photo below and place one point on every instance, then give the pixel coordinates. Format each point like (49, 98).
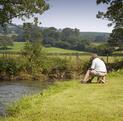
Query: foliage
(95, 36)
(32, 32)
(53, 67)
(103, 49)
(89, 36)
(114, 14)
(67, 38)
(56, 68)
(5, 41)
(35, 57)
(116, 38)
(11, 67)
(10, 9)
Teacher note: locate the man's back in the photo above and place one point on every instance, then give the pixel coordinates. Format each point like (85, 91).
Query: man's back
(98, 65)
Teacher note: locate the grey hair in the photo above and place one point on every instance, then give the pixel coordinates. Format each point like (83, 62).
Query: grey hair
(94, 55)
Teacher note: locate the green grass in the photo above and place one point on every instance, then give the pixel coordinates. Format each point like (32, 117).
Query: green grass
(97, 43)
(18, 46)
(118, 52)
(72, 101)
(60, 50)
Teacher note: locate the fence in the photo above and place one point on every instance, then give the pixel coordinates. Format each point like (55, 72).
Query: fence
(76, 56)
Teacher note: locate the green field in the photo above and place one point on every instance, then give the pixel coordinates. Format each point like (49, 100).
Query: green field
(60, 50)
(18, 46)
(72, 101)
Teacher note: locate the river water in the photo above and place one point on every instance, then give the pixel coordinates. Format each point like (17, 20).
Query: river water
(11, 91)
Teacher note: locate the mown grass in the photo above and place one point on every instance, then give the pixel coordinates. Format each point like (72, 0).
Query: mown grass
(72, 101)
(60, 50)
(18, 46)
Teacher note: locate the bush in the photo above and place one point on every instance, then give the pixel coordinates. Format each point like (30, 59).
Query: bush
(11, 67)
(54, 68)
(35, 57)
(102, 49)
(59, 68)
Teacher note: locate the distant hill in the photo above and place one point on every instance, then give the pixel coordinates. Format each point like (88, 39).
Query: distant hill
(12, 29)
(91, 36)
(67, 38)
(95, 36)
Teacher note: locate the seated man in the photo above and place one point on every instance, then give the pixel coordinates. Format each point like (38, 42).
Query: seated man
(98, 68)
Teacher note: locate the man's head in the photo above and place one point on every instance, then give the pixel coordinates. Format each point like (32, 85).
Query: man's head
(93, 56)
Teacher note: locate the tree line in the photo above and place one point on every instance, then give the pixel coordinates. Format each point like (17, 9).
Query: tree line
(28, 8)
(66, 38)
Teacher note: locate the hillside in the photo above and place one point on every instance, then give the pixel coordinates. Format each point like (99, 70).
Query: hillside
(95, 36)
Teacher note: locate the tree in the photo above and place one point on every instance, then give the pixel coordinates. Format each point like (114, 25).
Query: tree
(67, 38)
(71, 36)
(116, 38)
(50, 36)
(83, 45)
(103, 49)
(10, 9)
(114, 14)
(32, 32)
(5, 41)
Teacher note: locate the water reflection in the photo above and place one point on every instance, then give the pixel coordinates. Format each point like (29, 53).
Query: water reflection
(11, 91)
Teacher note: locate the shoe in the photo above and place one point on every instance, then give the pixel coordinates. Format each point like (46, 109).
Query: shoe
(89, 81)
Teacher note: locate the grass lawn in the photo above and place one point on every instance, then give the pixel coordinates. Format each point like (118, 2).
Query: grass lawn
(60, 50)
(72, 101)
(18, 46)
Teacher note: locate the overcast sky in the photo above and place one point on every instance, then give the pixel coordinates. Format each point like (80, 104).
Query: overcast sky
(79, 14)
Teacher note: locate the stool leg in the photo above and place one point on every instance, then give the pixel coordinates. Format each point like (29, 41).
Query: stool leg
(101, 79)
(104, 79)
(98, 79)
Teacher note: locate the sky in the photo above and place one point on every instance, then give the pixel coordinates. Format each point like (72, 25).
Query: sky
(79, 14)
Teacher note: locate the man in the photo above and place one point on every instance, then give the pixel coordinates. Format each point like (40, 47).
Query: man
(98, 68)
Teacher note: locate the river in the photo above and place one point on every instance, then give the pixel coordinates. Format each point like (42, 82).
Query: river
(11, 91)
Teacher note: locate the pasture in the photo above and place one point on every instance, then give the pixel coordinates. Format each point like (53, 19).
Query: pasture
(18, 46)
(71, 55)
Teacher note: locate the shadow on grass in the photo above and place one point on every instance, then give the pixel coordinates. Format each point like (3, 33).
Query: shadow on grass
(92, 83)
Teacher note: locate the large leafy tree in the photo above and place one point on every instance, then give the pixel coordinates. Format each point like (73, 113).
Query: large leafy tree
(116, 38)
(10, 9)
(114, 14)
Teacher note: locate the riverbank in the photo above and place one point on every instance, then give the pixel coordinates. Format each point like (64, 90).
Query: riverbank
(72, 101)
(11, 91)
